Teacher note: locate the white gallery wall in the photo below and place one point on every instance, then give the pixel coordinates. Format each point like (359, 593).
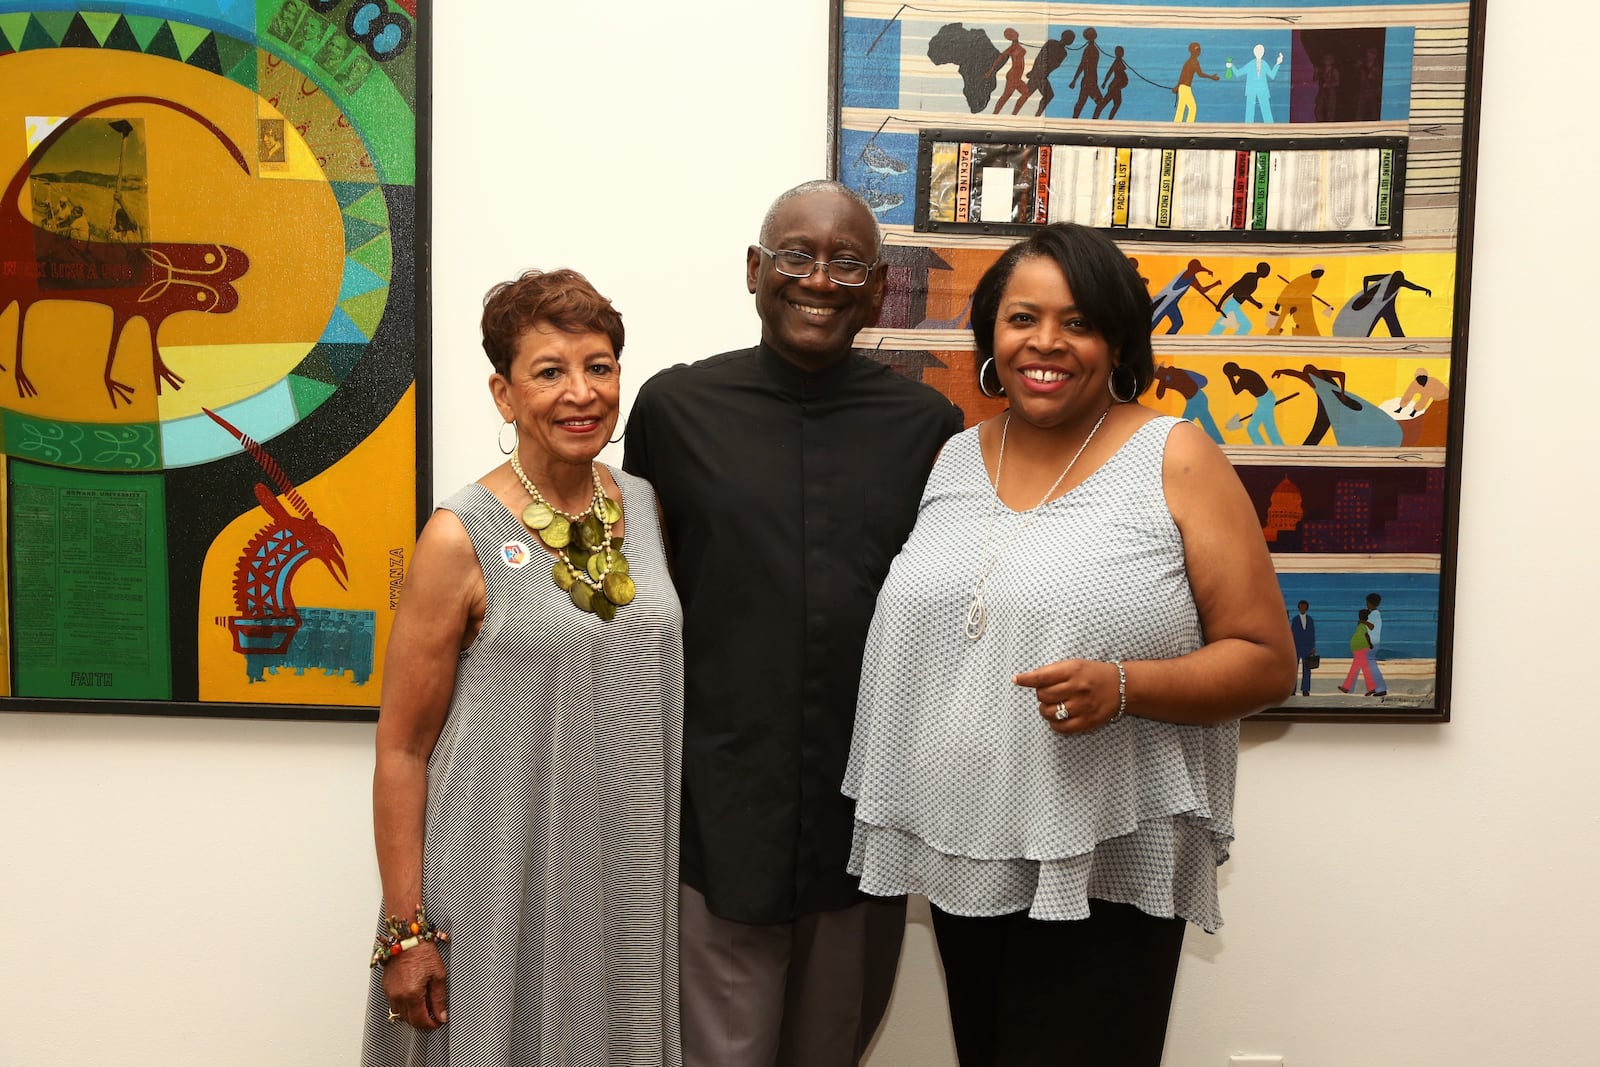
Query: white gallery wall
(198, 892)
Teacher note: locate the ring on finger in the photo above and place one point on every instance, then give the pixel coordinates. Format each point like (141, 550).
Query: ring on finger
(1061, 712)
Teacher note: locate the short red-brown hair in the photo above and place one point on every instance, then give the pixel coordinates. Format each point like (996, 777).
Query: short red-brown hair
(562, 298)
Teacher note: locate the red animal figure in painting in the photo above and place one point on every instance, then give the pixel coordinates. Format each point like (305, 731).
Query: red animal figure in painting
(266, 619)
(135, 279)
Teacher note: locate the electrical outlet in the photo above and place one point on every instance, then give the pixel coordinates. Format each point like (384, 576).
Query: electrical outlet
(1254, 1059)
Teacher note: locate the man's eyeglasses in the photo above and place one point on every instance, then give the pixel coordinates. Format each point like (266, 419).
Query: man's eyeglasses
(792, 264)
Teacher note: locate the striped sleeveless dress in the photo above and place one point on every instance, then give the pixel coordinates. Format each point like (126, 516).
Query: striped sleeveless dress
(551, 848)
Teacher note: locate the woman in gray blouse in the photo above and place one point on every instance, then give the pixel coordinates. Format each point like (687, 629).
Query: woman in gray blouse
(1047, 732)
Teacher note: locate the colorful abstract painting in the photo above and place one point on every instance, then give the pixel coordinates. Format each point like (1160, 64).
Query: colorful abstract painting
(209, 347)
(1293, 183)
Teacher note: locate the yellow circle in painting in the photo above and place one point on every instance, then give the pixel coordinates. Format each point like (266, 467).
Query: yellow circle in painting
(282, 215)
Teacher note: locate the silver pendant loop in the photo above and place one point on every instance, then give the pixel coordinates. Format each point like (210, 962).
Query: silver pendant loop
(977, 617)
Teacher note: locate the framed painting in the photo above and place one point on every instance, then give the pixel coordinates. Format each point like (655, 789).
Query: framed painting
(213, 352)
(1294, 182)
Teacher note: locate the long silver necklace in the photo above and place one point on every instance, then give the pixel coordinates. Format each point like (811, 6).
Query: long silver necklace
(978, 610)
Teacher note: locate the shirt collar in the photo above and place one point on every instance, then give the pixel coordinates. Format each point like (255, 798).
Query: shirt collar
(793, 379)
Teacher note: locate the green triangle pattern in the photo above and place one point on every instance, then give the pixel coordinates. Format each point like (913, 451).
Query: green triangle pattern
(376, 255)
(366, 310)
(36, 37)
(55, 23)
(100, 23)
(230, 50)
(347, 193)
(308, 395)
(358, 232)
(330, 362)
(188, 37)
(14, 26)
(144, 29)
(314, 367)
(121, 37)
(205, 56)
(244, 72)
(372, 207)
(343, 359)
(79, 35)
(358, 279)
(5, 43)
(163, 44)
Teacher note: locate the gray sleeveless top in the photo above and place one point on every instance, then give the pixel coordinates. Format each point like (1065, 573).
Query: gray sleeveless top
(551, 850)
(963, 794)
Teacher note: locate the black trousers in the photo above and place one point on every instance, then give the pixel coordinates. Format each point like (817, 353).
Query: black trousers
(1094, 992)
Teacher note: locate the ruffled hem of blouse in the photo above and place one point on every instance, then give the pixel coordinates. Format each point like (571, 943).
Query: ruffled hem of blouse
(1139, 772)
(1182, 881)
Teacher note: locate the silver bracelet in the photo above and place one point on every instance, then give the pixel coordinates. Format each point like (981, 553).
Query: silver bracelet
(1122, 690)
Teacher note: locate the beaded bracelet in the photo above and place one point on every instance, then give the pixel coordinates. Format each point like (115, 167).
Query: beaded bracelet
(1122, 690)
(400, 936)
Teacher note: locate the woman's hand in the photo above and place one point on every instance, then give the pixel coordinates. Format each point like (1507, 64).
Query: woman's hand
(1075, 695)
(414, 983)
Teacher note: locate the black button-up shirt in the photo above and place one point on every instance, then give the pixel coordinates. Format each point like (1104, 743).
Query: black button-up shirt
(786, 494)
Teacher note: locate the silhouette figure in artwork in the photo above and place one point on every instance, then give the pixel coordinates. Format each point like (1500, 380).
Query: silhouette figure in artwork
(1015, 55)
(1089, 72)
(1263, 426)
(1190, 386)
(1185, 88)
(1165, 305)
(1355, 421)
(1257, 92)
(147, 280)
(1422, 392)
(974, 57)
(1303, 628)
(1116, 81)
(1375, 303)
(1360, 654)
(1369, 86)
(1051, 55)
(122, 227)
(1235, 297)
(1327, 105)
(1298, 301)
(1423, 411)
(1377, 687)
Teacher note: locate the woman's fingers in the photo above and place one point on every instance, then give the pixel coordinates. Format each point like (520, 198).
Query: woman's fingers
(1072, 697)
(414, 982)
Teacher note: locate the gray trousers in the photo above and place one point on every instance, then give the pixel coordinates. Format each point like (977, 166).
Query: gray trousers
(808, 993)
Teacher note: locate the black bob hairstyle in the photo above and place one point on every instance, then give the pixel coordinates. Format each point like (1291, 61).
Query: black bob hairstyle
(1105, 285)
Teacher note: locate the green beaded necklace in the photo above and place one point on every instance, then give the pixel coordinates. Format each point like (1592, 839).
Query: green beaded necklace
(589, 564)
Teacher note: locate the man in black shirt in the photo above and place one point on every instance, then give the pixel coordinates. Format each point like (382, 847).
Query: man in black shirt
(789, 476)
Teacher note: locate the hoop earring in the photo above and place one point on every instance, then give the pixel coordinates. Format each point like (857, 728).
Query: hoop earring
(983, 371)
(1111, 384)
(500, 439)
